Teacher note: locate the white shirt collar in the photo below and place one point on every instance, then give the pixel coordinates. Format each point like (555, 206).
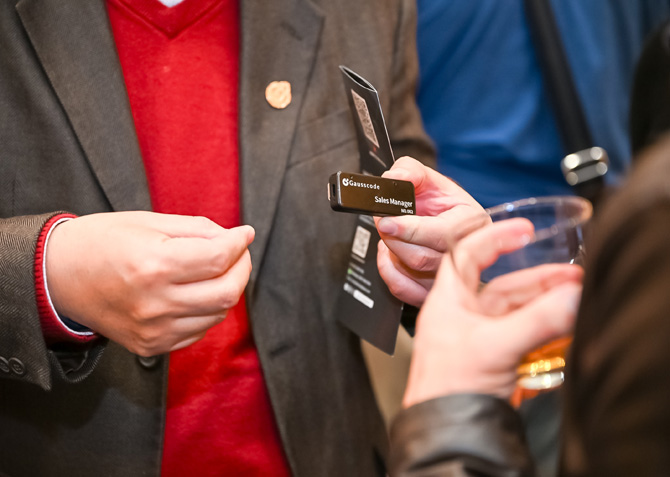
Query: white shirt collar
(170, 3)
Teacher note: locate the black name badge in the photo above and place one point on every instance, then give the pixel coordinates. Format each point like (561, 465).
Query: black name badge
(365, 304)
(370, 195)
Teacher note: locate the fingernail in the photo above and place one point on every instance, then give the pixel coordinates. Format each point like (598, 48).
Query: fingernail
(398, 173)
(573, 297)
(514, 242)
(387, 226)
(525, 239)
(251, 233)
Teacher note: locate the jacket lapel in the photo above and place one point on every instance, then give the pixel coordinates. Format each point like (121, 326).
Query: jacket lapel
(74, 43)
(279, 43)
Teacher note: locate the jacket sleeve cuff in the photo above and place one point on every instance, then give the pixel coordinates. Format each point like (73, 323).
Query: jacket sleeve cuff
(56, 329)
(460, 434)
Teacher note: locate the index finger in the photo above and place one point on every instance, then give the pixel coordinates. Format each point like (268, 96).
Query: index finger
(479, 249)
(513, 290)
(436, 233)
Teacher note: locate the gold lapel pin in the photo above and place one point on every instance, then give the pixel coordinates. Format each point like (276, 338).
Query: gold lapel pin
(278, 94)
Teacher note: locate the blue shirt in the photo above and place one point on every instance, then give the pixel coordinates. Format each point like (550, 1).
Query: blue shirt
(483, 101)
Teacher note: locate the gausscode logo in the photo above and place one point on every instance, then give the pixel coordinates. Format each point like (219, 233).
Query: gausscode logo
(351, 183)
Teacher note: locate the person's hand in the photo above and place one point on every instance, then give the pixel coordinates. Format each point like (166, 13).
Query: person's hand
(470, 340)
(412, 245)
(151, 282)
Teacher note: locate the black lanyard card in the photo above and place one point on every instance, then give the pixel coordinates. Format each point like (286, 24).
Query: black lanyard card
(365, 304)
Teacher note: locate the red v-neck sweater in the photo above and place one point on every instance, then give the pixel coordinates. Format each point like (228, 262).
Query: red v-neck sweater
(180, 66)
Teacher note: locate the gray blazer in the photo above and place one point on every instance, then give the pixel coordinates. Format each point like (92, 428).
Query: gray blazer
(67, 142)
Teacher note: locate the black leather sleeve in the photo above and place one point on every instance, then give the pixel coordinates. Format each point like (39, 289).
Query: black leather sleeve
(459, 435)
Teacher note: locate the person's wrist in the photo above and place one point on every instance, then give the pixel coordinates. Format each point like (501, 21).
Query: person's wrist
(55, 327)
(435, 372)
(430, 378)
(435, 386)
(56, 277)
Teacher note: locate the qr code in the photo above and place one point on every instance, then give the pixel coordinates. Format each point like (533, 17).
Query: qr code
(364, 116)
(361, 242)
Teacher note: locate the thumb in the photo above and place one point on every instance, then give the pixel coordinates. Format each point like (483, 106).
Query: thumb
(247, 231)
(407, 169)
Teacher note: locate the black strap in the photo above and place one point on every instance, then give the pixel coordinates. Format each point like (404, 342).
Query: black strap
(586, 165)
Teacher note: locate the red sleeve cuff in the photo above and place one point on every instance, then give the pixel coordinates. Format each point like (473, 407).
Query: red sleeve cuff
(53, 328)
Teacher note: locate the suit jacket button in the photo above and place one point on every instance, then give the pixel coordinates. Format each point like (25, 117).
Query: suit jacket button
(17, 367)
(4, 365)
(149, 362)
